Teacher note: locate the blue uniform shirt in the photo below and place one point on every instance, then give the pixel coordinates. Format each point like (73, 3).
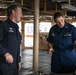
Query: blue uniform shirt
(63, 44)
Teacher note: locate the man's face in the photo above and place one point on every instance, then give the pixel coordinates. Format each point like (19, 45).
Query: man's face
(18, 15)
(60, 21)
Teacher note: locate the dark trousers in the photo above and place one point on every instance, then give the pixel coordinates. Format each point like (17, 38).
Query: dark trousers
(8, 71)
(60, 69)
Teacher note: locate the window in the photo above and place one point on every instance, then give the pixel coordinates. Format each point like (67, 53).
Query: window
(28, 35)
(45, 26)
(74, 23)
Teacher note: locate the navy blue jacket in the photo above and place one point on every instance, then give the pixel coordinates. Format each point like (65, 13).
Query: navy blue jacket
(63, 44)
(10, 40)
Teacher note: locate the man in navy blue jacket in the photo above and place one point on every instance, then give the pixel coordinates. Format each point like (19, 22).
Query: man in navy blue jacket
(62, 39)
(10, 40)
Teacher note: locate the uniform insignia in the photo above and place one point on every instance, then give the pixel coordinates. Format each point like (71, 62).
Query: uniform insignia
(11, 30)
(66, 27)
(53, 34)
(67, 34)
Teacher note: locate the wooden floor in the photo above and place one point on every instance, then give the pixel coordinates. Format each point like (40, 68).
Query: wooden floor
(27, 62)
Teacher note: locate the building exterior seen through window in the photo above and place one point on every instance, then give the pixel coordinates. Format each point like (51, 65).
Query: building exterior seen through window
(29, 27)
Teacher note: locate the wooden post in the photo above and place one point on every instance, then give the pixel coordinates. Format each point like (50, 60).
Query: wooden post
(56, 7)
(22, 2)
(23, 34)
(36, 35)
(44, 5)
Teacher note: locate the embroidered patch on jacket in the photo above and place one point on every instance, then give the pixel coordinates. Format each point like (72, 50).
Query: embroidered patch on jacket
(11, 29)
(53, 34)
(67, 34)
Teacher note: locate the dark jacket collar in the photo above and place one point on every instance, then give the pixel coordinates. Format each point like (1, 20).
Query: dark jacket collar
(12, 23)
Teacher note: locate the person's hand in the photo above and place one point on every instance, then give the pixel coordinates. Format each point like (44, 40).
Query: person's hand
(19, 66)
(9, 58)
(50, 50)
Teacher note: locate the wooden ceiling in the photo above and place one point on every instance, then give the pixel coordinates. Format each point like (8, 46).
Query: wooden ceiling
(47, 7)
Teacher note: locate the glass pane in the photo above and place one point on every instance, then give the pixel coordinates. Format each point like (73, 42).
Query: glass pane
(45, 26)
(74, 23)
(28, 34)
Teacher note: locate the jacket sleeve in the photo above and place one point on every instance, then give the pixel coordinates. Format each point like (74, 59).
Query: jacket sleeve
(19, 51)
(2, 49)
(74, 33)
(49, 38)
(19, 56)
